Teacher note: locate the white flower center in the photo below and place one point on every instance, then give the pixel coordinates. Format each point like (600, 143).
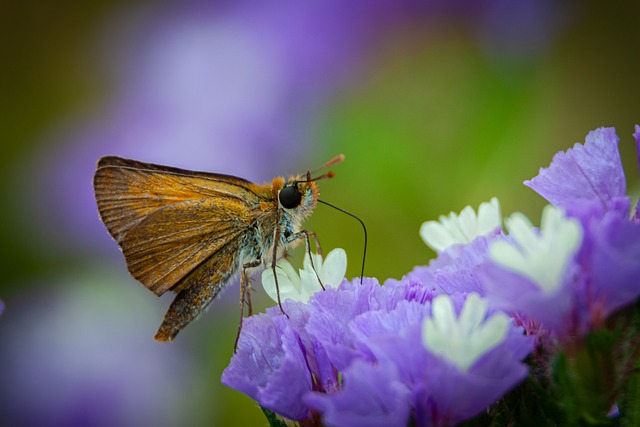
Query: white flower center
(541, 256)
(464, 339)
(300, 287)
(461, 228)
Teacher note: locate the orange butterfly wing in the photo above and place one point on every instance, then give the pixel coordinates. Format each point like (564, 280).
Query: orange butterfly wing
(169, 221)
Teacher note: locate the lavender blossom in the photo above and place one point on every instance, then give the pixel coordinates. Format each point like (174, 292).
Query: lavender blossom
(359, 340)
(610, 255)
(533, 271)
(270, 364)
(611, 260)
(462, 341)
(280, 359)
(444, 343)
(586, 180)
(372, 396)
(570, 276)
(462, 245)
(279, 370)
(441, 390)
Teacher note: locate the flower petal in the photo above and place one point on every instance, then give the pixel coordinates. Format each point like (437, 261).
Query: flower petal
(614, 258)
(462, 340)
(436, 235)
(269, 365)
(589, 172)
(372, 396)
(334, 267)
(288, 282)
(301, 287)
(511, 291)
(462, 228)
(542, 256)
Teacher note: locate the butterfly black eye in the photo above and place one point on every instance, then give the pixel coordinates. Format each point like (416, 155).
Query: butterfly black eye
(290, 197)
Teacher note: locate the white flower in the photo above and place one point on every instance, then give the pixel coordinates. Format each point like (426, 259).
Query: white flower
(300, 287)
(464, 339)
(462, 228)
(543, 255)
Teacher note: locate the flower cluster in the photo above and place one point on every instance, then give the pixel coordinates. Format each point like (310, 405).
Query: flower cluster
(363, 354)
(449, 340)
(583, 263)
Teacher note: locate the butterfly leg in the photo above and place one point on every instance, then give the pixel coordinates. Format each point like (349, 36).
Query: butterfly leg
(304, 234)
(245, 286)
(316, 241)
(245, 295)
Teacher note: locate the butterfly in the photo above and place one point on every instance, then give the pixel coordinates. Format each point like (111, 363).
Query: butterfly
(193, 233)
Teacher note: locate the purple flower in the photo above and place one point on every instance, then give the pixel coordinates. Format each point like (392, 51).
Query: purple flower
(450, 366)
(294, 353)
(532, 271)
(456, 269)
(270, 364)
(461, 241)
(586, 180)
(438, 347)
(574, 271)
(610, 255)
(356, 356)
(372, 396)
(612, 259)
(335, 308)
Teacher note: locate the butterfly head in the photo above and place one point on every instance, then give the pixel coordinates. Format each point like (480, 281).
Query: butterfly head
(299, 194)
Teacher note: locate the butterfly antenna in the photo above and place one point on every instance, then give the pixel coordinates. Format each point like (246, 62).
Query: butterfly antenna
(337, 159)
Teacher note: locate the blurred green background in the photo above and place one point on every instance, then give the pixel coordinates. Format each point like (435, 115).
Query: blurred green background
(435, 105)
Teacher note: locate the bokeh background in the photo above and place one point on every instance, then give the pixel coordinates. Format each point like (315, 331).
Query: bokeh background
(436, 105)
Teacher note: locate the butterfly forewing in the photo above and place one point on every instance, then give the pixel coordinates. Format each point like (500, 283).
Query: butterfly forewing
(169, 221)
(127, 190)
(185, 235)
